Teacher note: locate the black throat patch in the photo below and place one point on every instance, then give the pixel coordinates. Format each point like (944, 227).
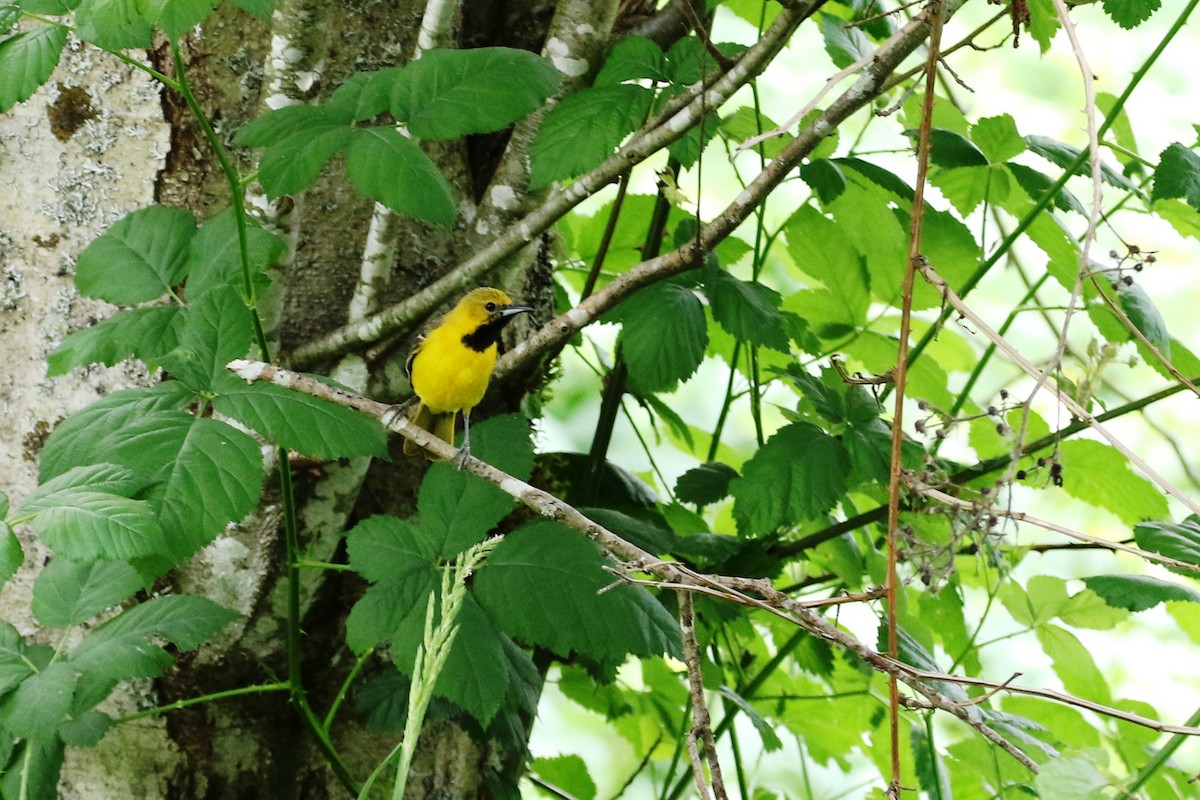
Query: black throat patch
(486, 334)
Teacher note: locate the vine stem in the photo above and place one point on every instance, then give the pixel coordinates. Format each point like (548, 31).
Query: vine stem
(900, 378)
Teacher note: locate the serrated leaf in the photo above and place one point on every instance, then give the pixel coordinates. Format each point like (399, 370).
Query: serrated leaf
(365, 95)
(632, 58)
(178, 17)
(1064, 155)
(1180, 541)
(15, 666)
(108, 478)
(1138, 592)
(568, 773)
(84, 524)
(927, 763)
(748, 311)
(822, 249)
(114, 24)
(78, 440)
(38, 706)
(950, 149)
(705, 484)
(542, 585)
(12, 555)
(86, 729)
(1100, 476)
(584, 129)
(214, 257)
(27, 61)
(139, 258)
(844, 44)
(998, 138)
(300, 422)
(1074, 665)
(863, 213)
(280, 124)
(390, 608)
(1177, 175)
(386, 548)
(446, 94)
(660, 356)
(215, 329)
(295, 164)
(210, 474)
(144, 333)
(1037, 183)
(40, 763)
(798, 474)
(744, 123)
(1130, 13)
(1070, 778)
(129, 645)
(392, 170)
(69, 592)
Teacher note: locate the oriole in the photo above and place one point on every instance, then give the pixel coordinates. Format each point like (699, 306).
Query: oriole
(451, 364)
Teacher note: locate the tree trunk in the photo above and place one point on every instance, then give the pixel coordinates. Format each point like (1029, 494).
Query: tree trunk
(118, 144)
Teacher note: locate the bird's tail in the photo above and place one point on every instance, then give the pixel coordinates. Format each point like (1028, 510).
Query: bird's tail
(440, 425)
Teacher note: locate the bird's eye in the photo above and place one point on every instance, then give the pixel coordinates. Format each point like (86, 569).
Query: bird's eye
(490, 307)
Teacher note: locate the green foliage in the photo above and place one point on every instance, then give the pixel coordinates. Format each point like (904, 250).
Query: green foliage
(1177, 175)
(659, 356)
(26, 62)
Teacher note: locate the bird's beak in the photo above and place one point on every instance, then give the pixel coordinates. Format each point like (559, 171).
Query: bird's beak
(512, 311)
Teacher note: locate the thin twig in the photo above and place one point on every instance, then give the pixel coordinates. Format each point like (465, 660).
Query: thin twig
(701, 729)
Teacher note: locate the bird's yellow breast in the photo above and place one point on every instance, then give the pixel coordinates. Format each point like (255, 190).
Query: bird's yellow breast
(447, 375)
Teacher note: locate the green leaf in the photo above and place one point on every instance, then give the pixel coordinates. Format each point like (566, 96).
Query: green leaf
(1177, 175)
(86, 729)
(446, 94)
(744, 123)
(1100, 476)
(178, 17)
(1037, 183)
(748, 311)
(950, 149)
(931, 772)
(69, 592)
(15, 665)
(663, 336)
(79, 439)
(844, 44)
(85, 525)
(1130, 13)
(1043, 23)
(129, 645)
(864, 215)
(210, 474)
(139, 258)
(295, 164)
(278, 125)
(216, 328)
(543, 585)
(766, 733)
(568, 773)
(705, 484)
(584, 129)
(108, 478)
(1138, 592)
(1145, 316)
(300, 422)
(392, 607)
(632, 58)
(822, 249)
(40, 764)
(1180, 541)
(12, 555)
(1064, 155)
(392, 170)
(10, 15)
(214, 258)
(365, 96)
(399, 559)
(1074, 665)
(144, 333)
(799, 474)
(457, 509)
(114, 24)
(26, 62)
(259, 8)
(38, 706)
(998, 138)
(1070, 778)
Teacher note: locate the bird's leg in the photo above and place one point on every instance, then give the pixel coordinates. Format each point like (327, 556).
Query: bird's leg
(464, 452)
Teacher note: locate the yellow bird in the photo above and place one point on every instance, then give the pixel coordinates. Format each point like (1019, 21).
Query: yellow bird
(450, 365)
